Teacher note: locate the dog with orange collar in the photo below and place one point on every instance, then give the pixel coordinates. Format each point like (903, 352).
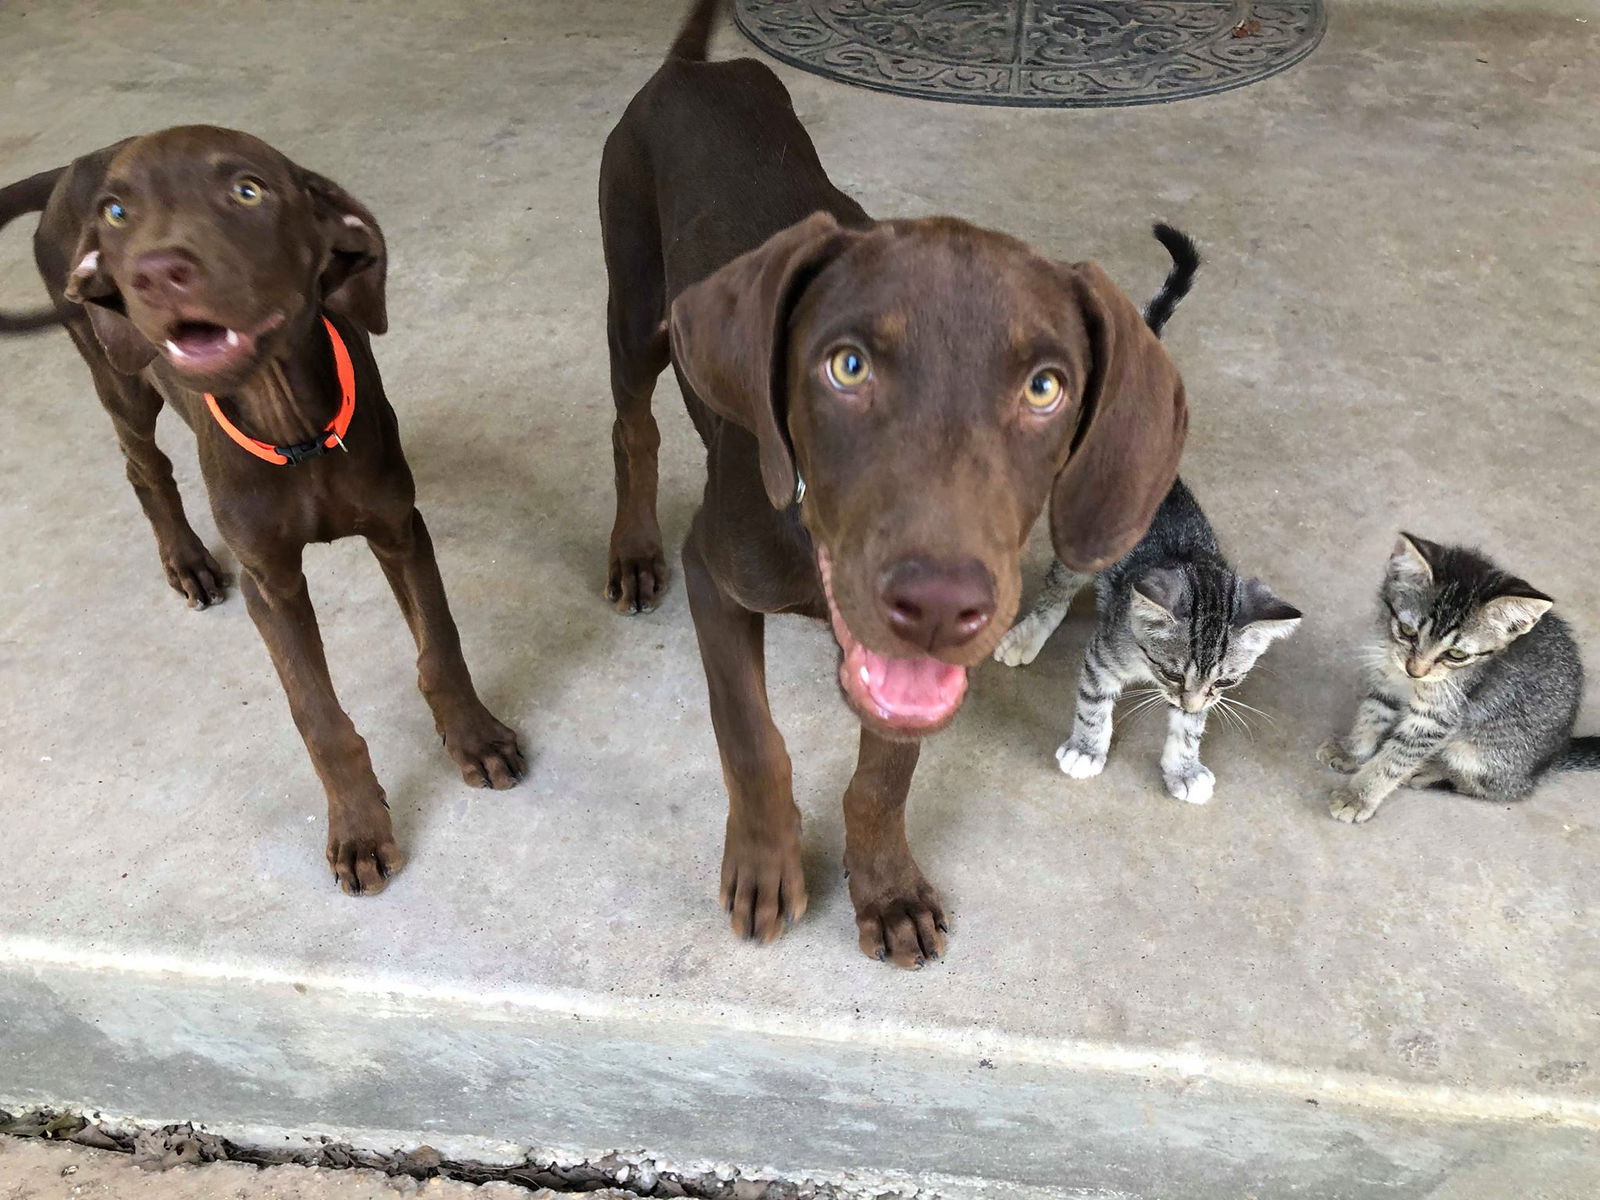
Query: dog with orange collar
(199, 267)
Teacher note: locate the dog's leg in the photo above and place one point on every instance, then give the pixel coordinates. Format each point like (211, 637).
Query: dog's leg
(484, 749)
(898, 912)
(636, 573)
(763, 884)
(133, 406)
(361, 846)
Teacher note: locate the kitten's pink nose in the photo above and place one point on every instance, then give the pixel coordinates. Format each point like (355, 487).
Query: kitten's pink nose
(1416, 669)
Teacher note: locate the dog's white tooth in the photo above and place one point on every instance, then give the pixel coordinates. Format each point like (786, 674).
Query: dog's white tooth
(89, 264)
(233, 338)
(175, 350)
(354, 222)
(866, 676)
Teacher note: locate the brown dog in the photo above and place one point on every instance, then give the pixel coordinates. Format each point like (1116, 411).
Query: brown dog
(887, 406)
(200, 267)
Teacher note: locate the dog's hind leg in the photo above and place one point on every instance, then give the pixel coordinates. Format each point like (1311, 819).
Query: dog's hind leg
(636, 312)
(134, 406)
(486, 751)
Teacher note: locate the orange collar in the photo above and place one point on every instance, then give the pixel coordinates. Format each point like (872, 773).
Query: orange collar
(333, 435)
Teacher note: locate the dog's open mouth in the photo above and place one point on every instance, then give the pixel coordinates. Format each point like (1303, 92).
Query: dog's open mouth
(203, 347)
(911, 696)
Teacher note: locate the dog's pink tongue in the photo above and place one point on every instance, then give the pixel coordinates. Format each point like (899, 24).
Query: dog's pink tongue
(914, 686)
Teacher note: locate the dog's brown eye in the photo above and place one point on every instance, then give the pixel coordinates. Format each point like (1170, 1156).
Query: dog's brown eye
(1044, 391)
(249, 192)
(848, 368)
(114, 214)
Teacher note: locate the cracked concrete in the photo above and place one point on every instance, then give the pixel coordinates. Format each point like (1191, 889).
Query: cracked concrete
(1395, 326)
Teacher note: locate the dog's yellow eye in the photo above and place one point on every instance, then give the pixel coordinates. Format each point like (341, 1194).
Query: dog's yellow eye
(114, 214)
(848, 368)
(249, 192)
(1044, 391)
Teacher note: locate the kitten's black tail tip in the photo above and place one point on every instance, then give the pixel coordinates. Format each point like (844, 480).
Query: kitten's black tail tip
(1582, 754)
(1185, 262)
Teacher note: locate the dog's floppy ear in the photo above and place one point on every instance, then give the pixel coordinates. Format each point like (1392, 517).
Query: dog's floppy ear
(88, 284)
(728, 338)
(352, 281)
(1131, 427)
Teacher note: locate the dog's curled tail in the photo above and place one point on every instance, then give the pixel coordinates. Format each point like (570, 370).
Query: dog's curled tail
(28, 196)
(1582, 754)
(1185, 262)
(695, 37)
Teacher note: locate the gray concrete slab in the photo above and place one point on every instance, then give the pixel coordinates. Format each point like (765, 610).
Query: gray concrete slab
(1395, 326)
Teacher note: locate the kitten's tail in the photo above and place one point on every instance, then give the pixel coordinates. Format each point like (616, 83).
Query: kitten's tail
(694, 39)
(1185, 262)
(1582, 754)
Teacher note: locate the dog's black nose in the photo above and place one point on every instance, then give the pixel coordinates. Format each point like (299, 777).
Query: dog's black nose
(164, 273)
(937, 605)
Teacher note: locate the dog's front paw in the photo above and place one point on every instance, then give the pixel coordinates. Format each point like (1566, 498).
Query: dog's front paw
(362, 851)
(763, 883)
(636, 575)
(1022, 643)
(899, 916)
(487, 752)
(1336, 753)
(194, 575)
(1193, 785)
(1348, 805)
(1079, 762)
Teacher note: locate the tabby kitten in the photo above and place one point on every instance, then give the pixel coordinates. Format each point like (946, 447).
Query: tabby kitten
(1474, 688)
(1173, 615)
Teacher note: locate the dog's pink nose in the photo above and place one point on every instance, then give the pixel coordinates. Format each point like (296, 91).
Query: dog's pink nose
(935, 605)
(164, 273)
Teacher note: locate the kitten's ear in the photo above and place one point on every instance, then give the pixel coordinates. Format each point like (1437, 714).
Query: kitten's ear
(1411, 560)
(1261, 612)
(1160, 595)
(1513, 615)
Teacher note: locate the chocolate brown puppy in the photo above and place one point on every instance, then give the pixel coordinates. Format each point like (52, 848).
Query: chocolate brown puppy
(199, 267)
(887, 407)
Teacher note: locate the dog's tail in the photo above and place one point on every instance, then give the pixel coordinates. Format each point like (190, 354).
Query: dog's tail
(1582, 754)
(1185, 262)
(695, 37)
(28, 196)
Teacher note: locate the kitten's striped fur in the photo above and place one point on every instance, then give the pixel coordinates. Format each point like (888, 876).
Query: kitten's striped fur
(1474, 688)
(1172, 615)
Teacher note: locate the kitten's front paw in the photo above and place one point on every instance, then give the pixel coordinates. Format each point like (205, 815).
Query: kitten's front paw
(1022, 643)
(1193, 785)
(1079, 763)
(1347, 805)
(1335, 753)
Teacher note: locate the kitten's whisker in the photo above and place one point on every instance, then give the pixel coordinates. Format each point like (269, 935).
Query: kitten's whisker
(1266, 716)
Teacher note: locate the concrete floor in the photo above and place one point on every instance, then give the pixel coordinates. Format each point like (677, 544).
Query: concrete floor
(1395, 327)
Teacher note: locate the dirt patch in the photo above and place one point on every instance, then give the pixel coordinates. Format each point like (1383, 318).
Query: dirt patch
(171, 1146)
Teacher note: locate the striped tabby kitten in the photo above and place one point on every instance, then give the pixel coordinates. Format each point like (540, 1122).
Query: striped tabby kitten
(1172, 615)
(1474, 688)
